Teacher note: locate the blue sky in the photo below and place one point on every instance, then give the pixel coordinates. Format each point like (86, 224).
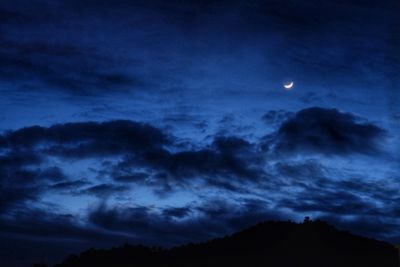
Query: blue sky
(165, 122)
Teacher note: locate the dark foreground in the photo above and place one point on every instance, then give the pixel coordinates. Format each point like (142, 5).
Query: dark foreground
(268, 244)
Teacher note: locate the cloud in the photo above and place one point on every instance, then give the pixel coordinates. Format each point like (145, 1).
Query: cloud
(19, 182)
(306, 170)
(132, 153)
(226, 156)
(131, 177)
(53, 174)
(104, 190)
(208, 220)
(227, 163)
(147, 156)
(336, 202)
(88, 138)
(52, 60)
(176, 212)
(47, 224)
(344, 197)
(69, 186)
(319, 187)
(326, 131)
(106, 224)
(25, 171)
(45, 65)
(121, 158)
(141, 144)
(276, 116)
(351, 200)
(30, 235)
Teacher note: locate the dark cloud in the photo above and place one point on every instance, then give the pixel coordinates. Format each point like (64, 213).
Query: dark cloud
(43, 51)
(138, 224)
(165, 165)
(229, 156)
(176, 212)
(32, 235)
(336, 202)
(276, 116)
(18, 183)
(50, 225)
(11, 197)
(148, 156)
(319, 189)
(352, 198)
(305, 170)
(53, 174)
(228, 163)
(72, 69)
(342, 198)
(89, 138)
(132, 177)
(22, 178)
(210, 220)
(142, 156)
(104, 190)
(327, 131)
(69, 186)
(17, 158)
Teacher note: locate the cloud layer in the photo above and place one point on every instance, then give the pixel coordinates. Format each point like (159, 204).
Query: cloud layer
(115, 160)
(327, 131)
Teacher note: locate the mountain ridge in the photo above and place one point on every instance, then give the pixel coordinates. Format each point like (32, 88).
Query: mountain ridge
(271, 243)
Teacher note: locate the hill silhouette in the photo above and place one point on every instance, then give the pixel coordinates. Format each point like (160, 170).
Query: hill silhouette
(308, 244)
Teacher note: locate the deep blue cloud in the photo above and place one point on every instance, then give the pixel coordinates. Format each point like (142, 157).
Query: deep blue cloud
(88, 138)
(276, 116)
(144, 156)
(19, 183)
(104, 190)
(327, 131)
(69, 186)
(226, 156)
(210, 219)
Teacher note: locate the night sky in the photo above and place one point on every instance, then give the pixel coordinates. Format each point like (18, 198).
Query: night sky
(167, 122)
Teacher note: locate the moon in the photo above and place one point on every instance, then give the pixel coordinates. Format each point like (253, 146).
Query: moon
(288, 86)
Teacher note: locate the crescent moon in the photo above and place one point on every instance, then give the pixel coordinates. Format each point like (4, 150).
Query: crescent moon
(288, 86)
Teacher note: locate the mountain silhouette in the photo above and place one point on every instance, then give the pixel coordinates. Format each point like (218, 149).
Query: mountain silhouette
(281, 244)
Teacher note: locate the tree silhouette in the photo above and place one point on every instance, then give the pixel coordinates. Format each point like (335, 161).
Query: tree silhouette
(309, 244)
